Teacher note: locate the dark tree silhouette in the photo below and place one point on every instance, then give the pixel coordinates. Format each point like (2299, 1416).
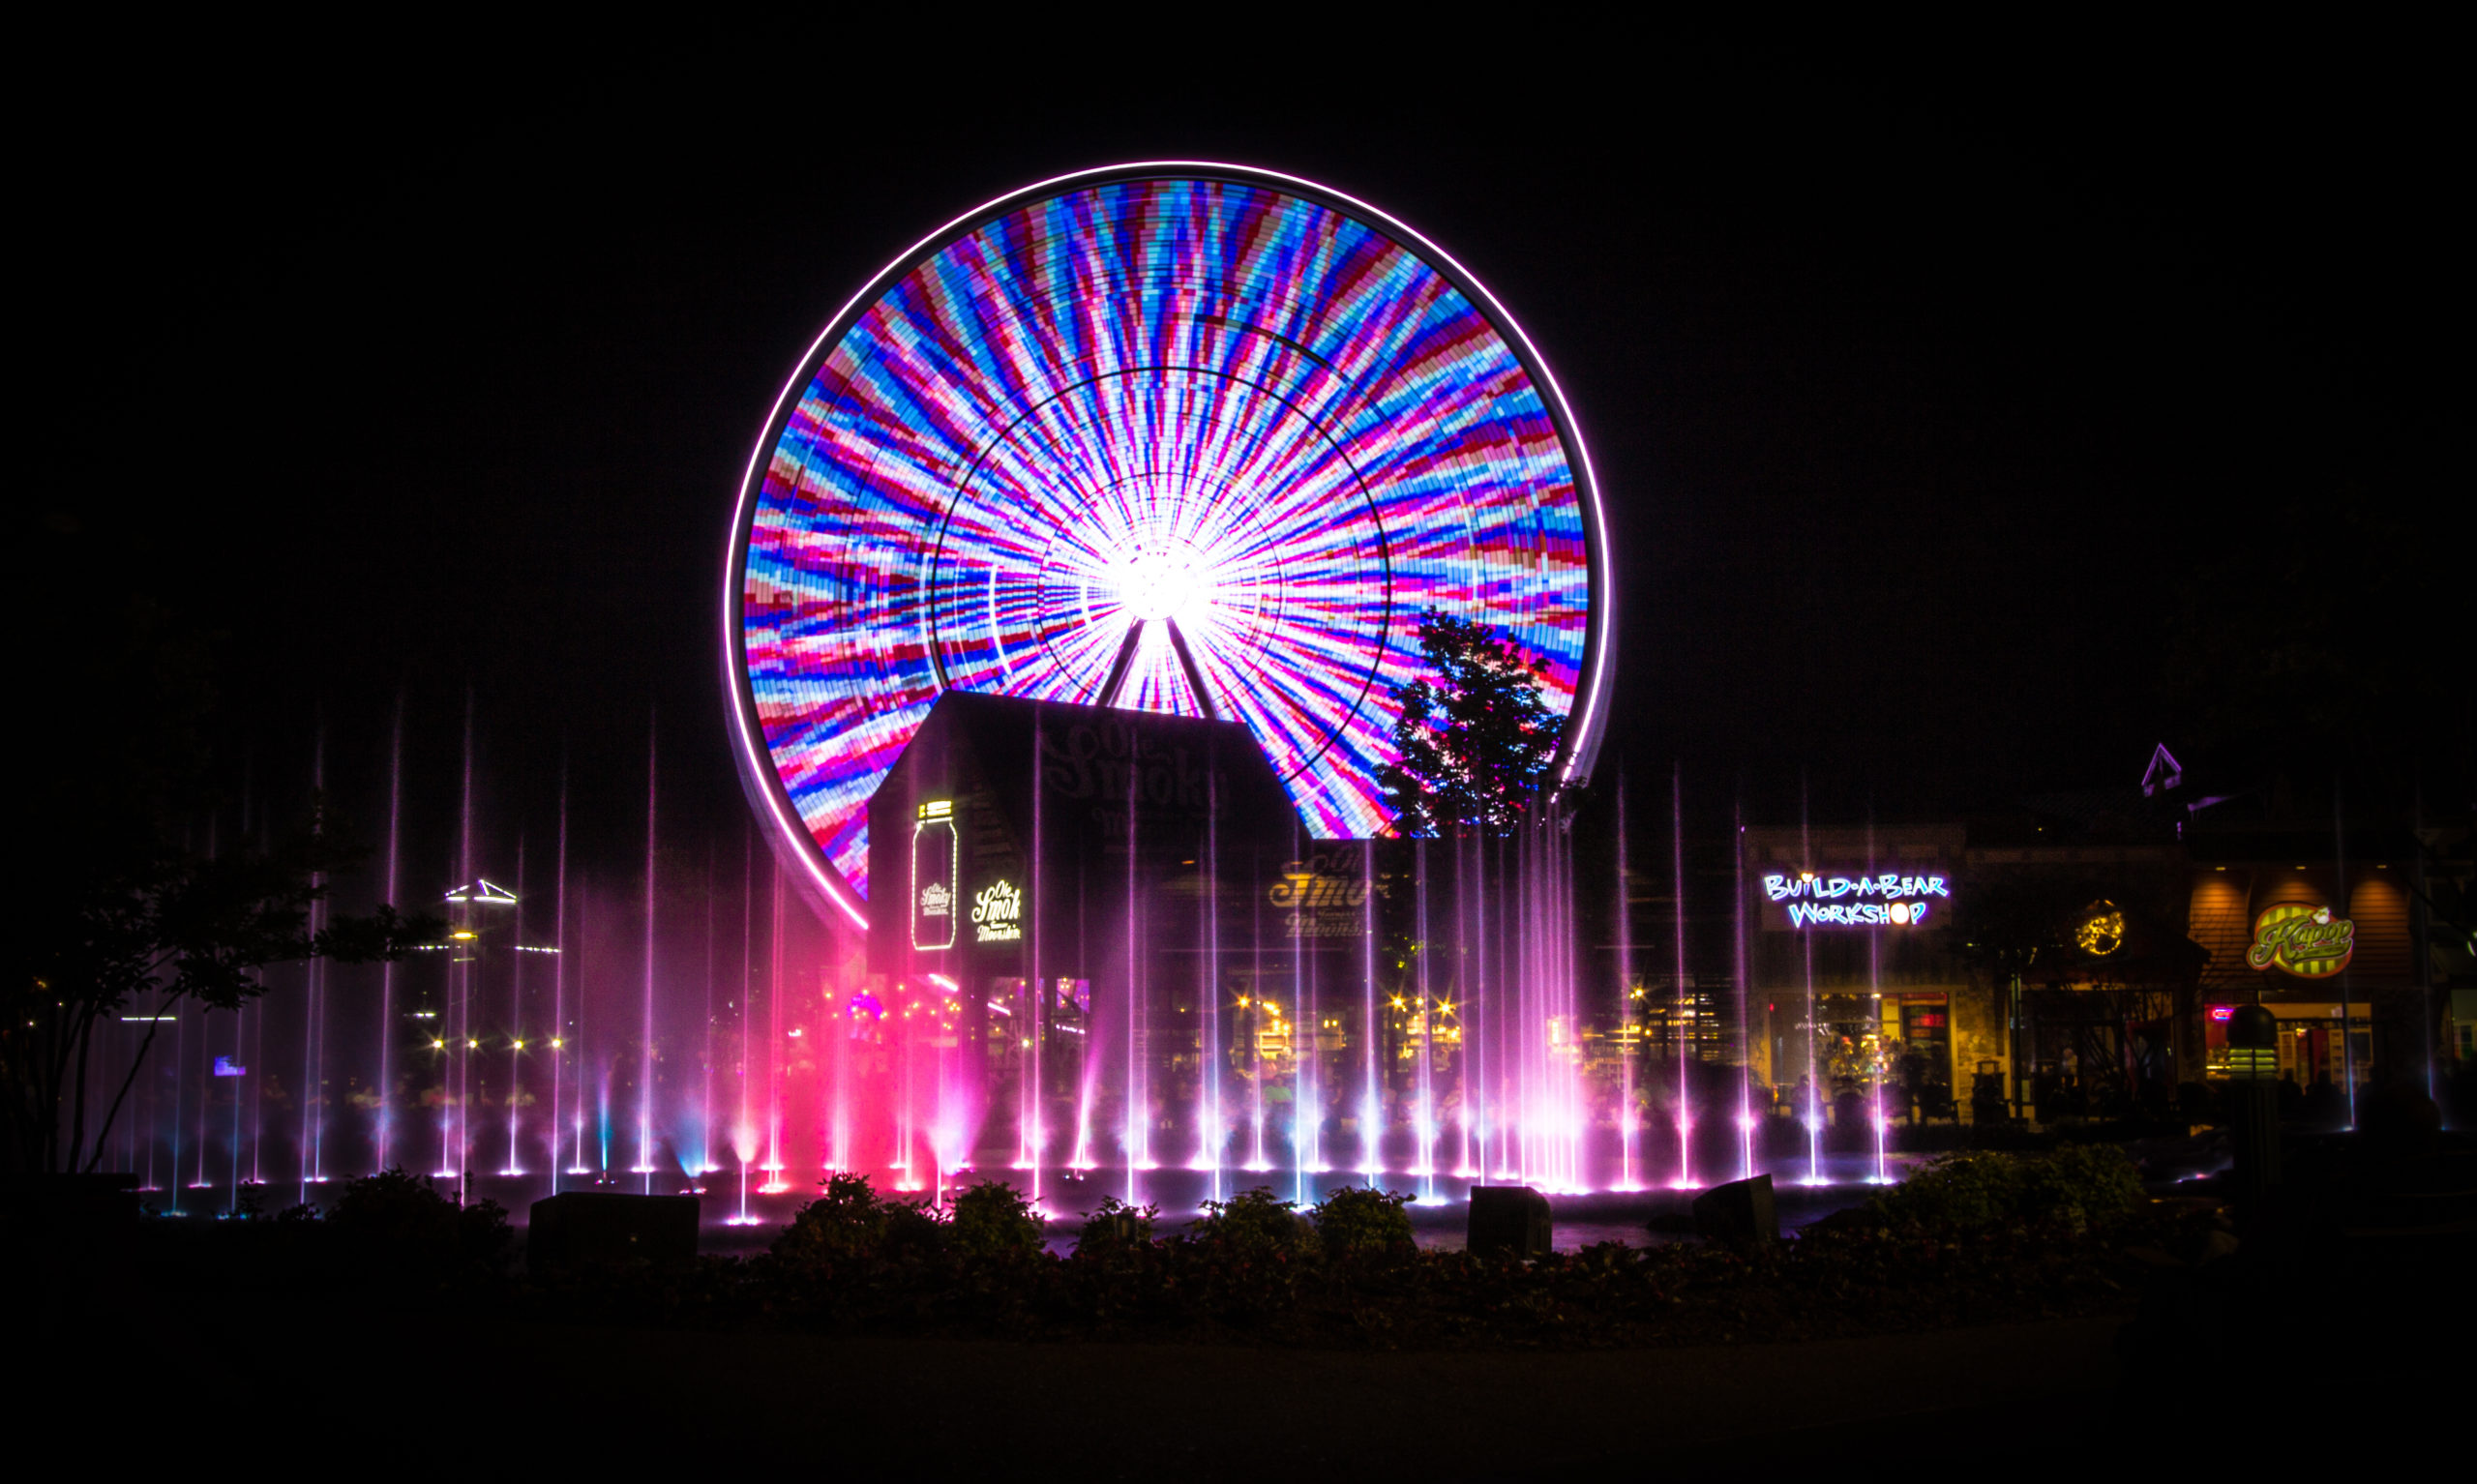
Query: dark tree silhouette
(115, 910)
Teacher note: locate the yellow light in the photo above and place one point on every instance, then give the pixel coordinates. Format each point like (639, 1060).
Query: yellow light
(2104, 933)
(473, 1046)
(439, 1046)
(520, 1046)
(463, 937)
(557, 1043)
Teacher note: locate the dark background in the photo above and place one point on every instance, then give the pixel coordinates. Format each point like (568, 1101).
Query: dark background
(1922, 380)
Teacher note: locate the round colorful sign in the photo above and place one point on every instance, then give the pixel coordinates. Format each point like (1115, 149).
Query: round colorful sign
(2306, 941)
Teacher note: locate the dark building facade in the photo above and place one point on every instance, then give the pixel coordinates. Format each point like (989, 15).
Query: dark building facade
(1054, 883)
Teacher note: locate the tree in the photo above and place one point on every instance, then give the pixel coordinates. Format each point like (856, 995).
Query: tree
(112, 906)
(1475, 742)
(160, 927)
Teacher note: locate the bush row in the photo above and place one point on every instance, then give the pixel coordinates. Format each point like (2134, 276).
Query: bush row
(1974, 1239)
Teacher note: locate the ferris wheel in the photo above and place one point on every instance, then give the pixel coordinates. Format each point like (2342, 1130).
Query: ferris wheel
(1184, 437)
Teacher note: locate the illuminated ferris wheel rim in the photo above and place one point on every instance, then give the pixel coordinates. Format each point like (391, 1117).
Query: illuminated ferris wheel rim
(1578, 742)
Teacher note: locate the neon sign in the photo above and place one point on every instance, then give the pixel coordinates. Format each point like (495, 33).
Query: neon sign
(2304, 941)
(1896, 901)
(997, 913)
(2104, 933)
(936, 859)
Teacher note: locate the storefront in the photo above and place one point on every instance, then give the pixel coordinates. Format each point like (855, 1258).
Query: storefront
(2326, 947)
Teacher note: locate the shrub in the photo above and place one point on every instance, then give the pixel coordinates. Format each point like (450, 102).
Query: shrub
(1358, 1221)
(2075, 1185)
(1115, 1227)
(991, 1219)
(1254, 1225)
(400, 1220)
(2080, 1185)
(851, 1220)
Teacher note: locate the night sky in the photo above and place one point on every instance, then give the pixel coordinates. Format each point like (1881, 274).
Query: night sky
(1915, 400)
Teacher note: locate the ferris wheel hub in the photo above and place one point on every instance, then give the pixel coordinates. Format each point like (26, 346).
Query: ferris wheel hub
(1173, 583)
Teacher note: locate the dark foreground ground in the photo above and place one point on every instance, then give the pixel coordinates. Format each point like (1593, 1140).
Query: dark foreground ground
(342, 1394)
(495, 1391)
(2330, 1327)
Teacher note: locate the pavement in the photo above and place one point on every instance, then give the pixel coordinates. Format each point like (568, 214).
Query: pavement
(337, 1385)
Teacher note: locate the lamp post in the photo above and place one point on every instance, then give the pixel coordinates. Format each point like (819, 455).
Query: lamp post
(2253, 1070)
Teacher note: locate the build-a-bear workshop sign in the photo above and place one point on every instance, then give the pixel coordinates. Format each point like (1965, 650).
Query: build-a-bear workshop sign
(1825, 899)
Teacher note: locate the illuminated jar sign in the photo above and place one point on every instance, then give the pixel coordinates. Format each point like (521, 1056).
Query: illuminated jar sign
(997, 913)
(2301, 940)
(937, 852)
(1887, 899)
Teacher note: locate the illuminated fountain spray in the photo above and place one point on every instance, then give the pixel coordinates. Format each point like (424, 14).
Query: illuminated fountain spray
(645, 1165)
(1429, 1014)
(1254, 1005)
(1876, 1117)
(454, 1022)
(1629, 1122)
(1307, 1101)
(773, 1166)
(1473, 1122)
(744, 1149)
(1685, 1027)
(205, 1098)
(1032, 1035)
(1371, 1098)
(516, 1029)
(1539, 1015)
(1135, 1135)
(744, 1131)
(382, 1116)
(703, 1162)
(180, 1106)
(258, 1105)
(1212, 1137)
(1745, 1026)
(584, 1060)
(240, 1022)
(1813, 1030)
(313, 1032)
(559, 1033)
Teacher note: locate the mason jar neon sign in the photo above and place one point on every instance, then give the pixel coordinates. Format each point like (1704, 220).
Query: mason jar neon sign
(936, 861)
(1881, 899)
